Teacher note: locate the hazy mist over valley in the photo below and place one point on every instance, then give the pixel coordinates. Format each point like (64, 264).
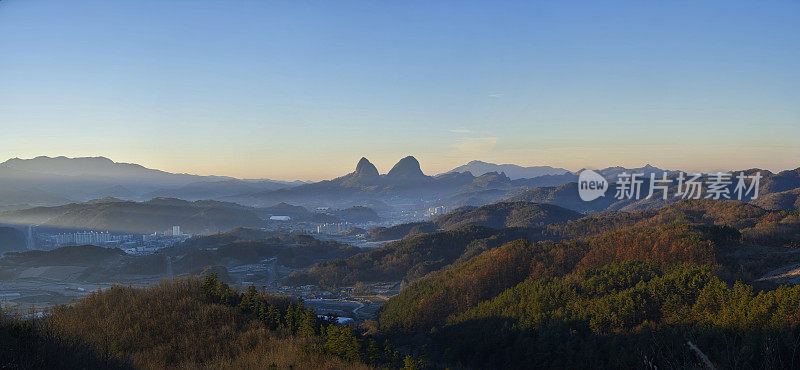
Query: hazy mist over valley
(399, 185)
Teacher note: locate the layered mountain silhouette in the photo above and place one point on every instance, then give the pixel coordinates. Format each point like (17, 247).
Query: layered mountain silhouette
(611, 173)
(403, 184)
(513, 171)
(50, 181)
(776, 191)
(406, 172)
(155, 215)
(60, 180)
(214, 189)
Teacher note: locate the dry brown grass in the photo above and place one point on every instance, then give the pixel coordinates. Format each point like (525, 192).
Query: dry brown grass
(173, 325)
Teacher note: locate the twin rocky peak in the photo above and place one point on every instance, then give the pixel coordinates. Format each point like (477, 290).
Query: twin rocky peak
(405, 171)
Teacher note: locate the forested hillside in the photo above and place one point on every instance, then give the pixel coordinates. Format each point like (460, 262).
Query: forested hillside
(627, 315)
(667, 288)
(416, 255)
(382, 233)
(188, 323)
(410, 258)
(585, 299)
(496, 215)
(450, 291)
(506, 214)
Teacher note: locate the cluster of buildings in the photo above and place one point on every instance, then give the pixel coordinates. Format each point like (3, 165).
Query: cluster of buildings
(411, 214)
(131, 243)
(174, 231)
(435, 211)
(86, 237)
(333, 228)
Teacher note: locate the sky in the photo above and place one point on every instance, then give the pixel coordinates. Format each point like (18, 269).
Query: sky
(303, 89)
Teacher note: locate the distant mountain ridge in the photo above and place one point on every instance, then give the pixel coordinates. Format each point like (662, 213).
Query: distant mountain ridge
(155, 215)
(776, 191)
(611, 173)
(404, 183)
(58, 180)
(46, 181)
(81, 166)
(215, 189)
(513, 171)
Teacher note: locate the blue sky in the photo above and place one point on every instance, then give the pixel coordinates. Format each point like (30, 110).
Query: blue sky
(302, 90)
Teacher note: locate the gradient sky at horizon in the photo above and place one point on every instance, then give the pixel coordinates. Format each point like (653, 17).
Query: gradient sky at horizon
(302, 90)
